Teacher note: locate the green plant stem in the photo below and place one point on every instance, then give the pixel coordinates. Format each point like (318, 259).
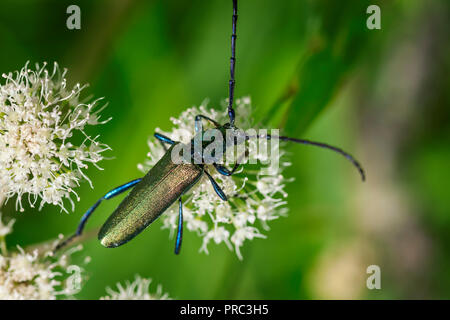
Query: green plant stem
(3, 247)
(49, 245)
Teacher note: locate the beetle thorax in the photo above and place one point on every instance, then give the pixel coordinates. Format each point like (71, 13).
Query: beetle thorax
(210, 145)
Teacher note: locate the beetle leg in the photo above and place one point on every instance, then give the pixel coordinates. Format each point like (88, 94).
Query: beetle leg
(111, 194)
(199, 117)
(226, 172)
(216, 187)
(180, 228)
(163, 145)
(163, 138)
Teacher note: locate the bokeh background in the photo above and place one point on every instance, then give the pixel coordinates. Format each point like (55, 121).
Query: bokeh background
(314, 69)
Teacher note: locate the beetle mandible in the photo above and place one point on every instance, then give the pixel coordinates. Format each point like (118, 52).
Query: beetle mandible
(167, 181)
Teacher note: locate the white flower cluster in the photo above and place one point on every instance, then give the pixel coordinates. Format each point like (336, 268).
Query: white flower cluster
(39, 275)
(33, 276)
(136, 290)
(39, 115)
(254, 198)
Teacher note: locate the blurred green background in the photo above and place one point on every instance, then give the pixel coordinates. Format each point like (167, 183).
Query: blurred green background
(312, 66)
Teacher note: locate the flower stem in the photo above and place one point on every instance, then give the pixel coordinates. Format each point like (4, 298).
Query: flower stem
(3, 248)
(2, 200)
(49, 245)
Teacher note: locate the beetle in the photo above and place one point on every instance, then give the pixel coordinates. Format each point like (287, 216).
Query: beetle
(167, 181)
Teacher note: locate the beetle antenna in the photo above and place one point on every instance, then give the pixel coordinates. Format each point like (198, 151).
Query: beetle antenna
(321, 145)
(232, 82)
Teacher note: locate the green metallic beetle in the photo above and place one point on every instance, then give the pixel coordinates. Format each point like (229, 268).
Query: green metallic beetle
(168, 180)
